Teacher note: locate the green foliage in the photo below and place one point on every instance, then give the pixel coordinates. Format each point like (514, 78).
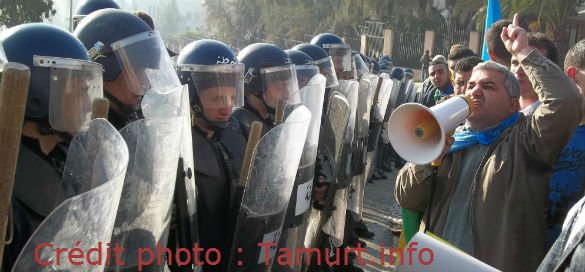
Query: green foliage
(15, 12)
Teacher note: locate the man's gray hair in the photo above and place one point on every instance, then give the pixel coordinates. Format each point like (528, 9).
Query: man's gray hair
(510, 82)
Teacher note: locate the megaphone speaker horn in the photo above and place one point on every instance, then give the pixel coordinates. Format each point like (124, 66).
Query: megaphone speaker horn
(417, 133)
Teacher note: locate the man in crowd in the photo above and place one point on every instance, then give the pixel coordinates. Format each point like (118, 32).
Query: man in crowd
(495, 47)
(488, 195)
(425, 60)
(463, 71)
(437, 85)
(566, 184)
(528, 97)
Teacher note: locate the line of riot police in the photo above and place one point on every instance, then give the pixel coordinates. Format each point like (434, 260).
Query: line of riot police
(167, 169)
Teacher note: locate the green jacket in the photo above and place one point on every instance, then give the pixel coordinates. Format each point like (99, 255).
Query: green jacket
(510, 187)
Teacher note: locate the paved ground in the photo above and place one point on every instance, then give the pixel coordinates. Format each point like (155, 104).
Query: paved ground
(381, 215)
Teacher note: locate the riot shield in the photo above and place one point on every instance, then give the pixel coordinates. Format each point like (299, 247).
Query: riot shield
(144, 211)
(94, 175)
(410, 91)
(262, 211)
(331, 150)
(294, 229)
(185, 195)
(393, 100)
(359, 150)
(350, 89)
(376, 120)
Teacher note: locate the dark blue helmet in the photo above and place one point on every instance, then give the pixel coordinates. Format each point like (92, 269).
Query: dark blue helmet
(321, 59)
(209, 63)
(397, 73)
(299, 57)
(88, 6)
(303, 65)
(22, 42)
(408, 73)
(259, 56)
(108, 26)
(314, 51)
(326, 38)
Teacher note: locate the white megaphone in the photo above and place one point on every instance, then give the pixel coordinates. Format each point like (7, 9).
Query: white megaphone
(417, 133)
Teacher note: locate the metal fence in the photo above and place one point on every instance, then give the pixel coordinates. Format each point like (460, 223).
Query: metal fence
(407, 49)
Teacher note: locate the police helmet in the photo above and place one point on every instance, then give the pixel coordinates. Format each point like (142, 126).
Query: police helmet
(397, 73)
(260, 56)
(108, 26)
(21, 43)
(326, 38)
(88, 6)
(209, 64)
(321, 59)
(303, 65)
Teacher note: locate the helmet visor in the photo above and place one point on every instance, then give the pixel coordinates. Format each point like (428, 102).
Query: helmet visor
(280, 84)
(326, 69)
(305, 73)
(218, 86)
(74, 84)
(341, 55)
(360, 66)
(145, 63)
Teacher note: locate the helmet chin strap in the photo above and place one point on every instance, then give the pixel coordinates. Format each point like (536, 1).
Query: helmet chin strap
(217, 126)
(124, 113)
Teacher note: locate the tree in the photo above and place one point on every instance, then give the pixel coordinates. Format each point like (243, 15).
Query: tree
(15, 12)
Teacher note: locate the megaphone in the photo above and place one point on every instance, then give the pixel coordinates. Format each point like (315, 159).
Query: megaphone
(417, 133)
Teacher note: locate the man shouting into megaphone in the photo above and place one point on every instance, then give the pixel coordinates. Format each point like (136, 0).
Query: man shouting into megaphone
(488, 195)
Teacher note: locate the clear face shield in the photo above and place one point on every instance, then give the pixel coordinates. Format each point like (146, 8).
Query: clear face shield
(360, 66)
(341, 55)
(280, 84)
(326, 68)
(145, 63)
(218, 86)
(305, 73)
(74, 86)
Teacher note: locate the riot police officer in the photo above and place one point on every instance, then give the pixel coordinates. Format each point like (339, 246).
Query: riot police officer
(63, 84)
(133, 56)
(269, 78)
(215, 80)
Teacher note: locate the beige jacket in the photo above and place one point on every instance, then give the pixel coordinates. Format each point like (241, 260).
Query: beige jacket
(511, 185)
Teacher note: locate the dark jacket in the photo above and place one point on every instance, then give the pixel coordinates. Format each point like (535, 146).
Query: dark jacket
(217, 170)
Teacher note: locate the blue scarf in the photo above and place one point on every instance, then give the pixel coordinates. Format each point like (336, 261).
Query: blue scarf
(464, 139)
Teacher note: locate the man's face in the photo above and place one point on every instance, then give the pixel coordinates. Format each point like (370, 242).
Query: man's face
(277, 90)
(525, 84)
(461, 79)
(490, 100)
(75, 105)
(218, 103)
(439, 75)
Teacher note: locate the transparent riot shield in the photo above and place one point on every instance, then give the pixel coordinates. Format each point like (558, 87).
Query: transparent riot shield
(410, 91)
(376, 119)
(144, 211)
(331, 149)
(94, 175)
(394, 98)
(350, 89)
(293, 236)
(359, 150)
(259, 222)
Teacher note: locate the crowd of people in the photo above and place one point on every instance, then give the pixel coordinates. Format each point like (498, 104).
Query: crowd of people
(227, 150)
